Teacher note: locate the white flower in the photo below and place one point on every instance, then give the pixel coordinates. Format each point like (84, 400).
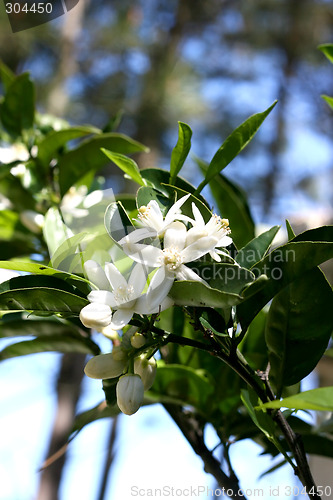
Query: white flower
(146, 368)
(105, 366)
(126, 297)
(216, 227)
(171, 259)
(129, 393)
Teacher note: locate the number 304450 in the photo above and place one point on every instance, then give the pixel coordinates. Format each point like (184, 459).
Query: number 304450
(38, 8)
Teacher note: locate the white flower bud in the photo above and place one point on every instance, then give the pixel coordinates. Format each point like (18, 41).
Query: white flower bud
(138, 340)
(32, 220)
(110, 333)
(119, 353)
(129, 392)
(146, 368)
(104, 366)
(96, 316)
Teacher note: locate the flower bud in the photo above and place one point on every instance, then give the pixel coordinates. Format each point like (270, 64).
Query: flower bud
(129, 392)
(146, 368)
(104, 366)
(138, 340)
(111, 334)
(119, 353)
(96, 316)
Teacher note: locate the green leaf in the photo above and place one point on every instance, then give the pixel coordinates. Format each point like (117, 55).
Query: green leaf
(146, 194)
(186, 208)
(96, 413)
(37, 281)
(282, 266)
(17, 109)
(41, 300)
(256, 249)
(180, 151)
(224, 277)
(117, 222)
(22, 199)
(320, 399)
(182, 385)
(327, 50)
(56, 139)
(253, 346)
(31, 267)
(21, 324)
(298, 329)
(232, 204)
(290, 231)
(67, 249)
(234, 144)
(6, 75)
(195, 293)
(159, 179)
(88, 157)
(66, 343)
(328, 99)
(259, 418)
(54, 230)
(126, 164)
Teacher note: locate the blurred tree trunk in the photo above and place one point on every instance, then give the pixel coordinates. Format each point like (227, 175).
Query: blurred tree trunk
(68, 392)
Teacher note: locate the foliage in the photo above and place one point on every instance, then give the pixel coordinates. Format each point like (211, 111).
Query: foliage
(248, 325)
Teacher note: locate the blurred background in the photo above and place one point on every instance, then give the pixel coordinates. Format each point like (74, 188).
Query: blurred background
(148, 64)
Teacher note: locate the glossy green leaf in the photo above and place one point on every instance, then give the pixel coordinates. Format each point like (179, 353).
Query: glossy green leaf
(66, 343)
(146, 194)
(56, 139)
(328, 99)
(180, 151)
(253, 346)
(126, 164)
(234, 144)
(195, 293)
(183, 385)
(41, 300)
(232, 204)
(186, 208)
(294, 338)
(21, 324)
(256, 249)
(327, 50)
(282, 266)
(224, 277)
(290, 230)
(320, 399)
(36, 281)
(88, 157)
(159, 179)
(17, 109)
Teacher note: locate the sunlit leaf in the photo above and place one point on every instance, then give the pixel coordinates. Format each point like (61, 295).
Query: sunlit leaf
(320, 399)
(180, 151)
(126, 164)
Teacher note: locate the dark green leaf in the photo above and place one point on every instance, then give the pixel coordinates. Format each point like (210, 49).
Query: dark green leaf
(195, 293)
(20, 324)
(253, 345)
(282, 266)
(36, 281)
(234, 144)
(146, 194)
(232, 204)
(327, 50)
(224, 277)
(290, 230)
(186, 208)
(298, 329)
(56, 139)
(6, 75)
(126, 164)
(17, 109)
(180, 151)
(41, 300)
(256, 249)
(89, 157)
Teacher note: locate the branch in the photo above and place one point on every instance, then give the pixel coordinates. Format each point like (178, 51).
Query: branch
(192, 431)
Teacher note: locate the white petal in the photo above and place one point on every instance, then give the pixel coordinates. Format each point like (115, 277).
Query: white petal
(95, 316)
(155, 217)
(159, 288)
(199, 248)
(146, 254)
(175, 236)
(215, 256)
(184, 273)
(138, 279)
(224, 242)
(96, 274)
(102, 297)
(104, 366)
(194, 234)
(114, 276)
(121, 318)
(199, 220)
(174, 210)
(138, 235)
